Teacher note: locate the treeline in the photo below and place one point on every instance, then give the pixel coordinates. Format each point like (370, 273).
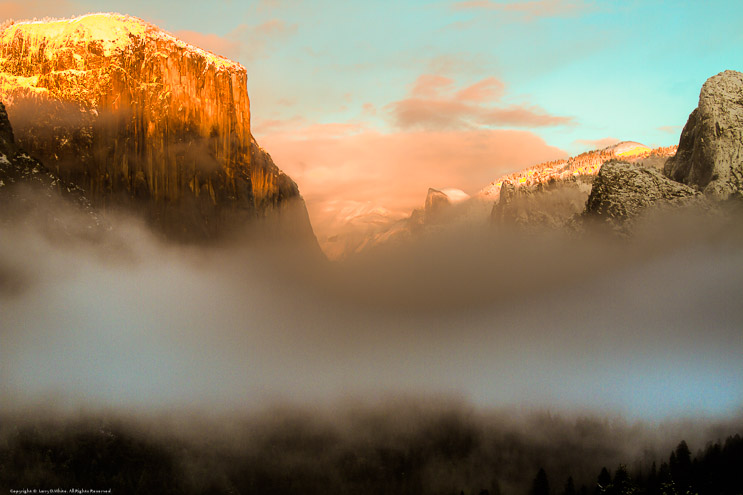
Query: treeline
(716, 470)
(436, 453)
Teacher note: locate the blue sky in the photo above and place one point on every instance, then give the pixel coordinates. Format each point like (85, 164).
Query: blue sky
(563, 76)
(620, 69)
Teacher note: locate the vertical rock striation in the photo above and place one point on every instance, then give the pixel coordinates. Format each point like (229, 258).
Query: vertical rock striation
(710, 152)
(139, 118)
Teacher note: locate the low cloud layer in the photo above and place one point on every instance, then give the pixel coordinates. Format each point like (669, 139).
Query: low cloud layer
(648, 328)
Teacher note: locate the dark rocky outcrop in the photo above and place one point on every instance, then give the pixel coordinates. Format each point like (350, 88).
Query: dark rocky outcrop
(710, 152)
(139, 119)
(436, 205)
(502, 209)
(623, 191)
(7, 140)
(30, 191)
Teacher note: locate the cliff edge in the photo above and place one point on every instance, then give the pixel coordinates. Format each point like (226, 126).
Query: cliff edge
(139, 119)
(710, 152)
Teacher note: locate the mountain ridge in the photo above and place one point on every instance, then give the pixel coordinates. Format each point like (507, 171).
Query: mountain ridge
(564, 185)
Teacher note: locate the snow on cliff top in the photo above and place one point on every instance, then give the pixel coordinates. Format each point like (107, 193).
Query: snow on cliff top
(455, 195)
(112, 29)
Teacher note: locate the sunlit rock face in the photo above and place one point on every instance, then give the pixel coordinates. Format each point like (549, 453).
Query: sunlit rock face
(139, 118)
(629, 149)
(710, 151)
(585, 165)
(554, 194)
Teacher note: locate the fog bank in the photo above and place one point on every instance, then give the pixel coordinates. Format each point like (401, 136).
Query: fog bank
(645, 328)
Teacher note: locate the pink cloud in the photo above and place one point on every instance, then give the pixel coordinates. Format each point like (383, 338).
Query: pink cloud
(530, 9)
(431, 86)
(435, 105)
(522, 116)
(342, 166)
(430, 114)
(488, 89)
(37, 9)
(597, 144)
(245, 42)
(263, 126)
(214, 43)
(274, 27)
(369, 109)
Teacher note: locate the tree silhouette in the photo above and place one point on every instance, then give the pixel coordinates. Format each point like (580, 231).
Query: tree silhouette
(540, 486)
(622, 483)
(680, 466)
(569, 487)
(603, 481)
(651, 482)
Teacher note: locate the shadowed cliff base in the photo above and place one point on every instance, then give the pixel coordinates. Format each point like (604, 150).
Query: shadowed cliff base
(31, 193)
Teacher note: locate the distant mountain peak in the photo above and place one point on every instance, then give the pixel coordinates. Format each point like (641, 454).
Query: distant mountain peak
(628, 149)
(585, 164)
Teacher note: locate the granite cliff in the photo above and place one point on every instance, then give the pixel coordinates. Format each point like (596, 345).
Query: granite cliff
(706, 171)
(552, 204)
(140, 119)
(554, 194)
(710, 152)
(31, 192)
(624, 191)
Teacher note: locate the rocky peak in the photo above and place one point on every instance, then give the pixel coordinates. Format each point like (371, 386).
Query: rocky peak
(710, 152)
(139, 118)
(622, 191)
(6, 131)
(435, 201)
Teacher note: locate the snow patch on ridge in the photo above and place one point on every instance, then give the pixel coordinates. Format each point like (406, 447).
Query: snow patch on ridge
(113, 30)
